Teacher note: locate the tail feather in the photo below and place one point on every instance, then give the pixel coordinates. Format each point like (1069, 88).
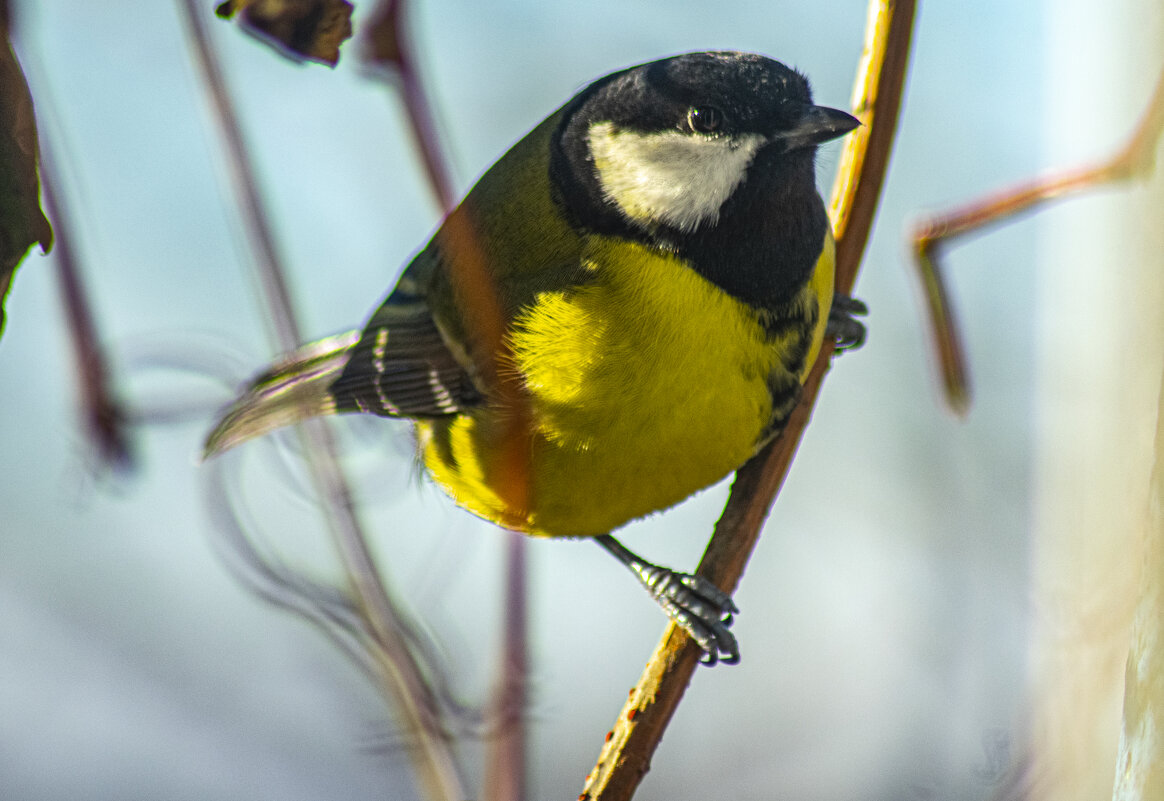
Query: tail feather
(292, 390)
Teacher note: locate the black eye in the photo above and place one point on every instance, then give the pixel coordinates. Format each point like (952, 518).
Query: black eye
(704, 119)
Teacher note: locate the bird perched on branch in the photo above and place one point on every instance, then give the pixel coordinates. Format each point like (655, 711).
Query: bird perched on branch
(663, 270)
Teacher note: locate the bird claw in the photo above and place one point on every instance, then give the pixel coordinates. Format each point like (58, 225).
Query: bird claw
(843, 327)
(697, 606)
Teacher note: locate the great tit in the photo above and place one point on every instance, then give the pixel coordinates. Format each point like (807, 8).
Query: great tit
(664, 266)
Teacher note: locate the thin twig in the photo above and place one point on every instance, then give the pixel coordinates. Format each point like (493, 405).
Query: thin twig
(265, 574)
(626, 756)
(468, 271)
(388, 47)
(280, 309)
(505, 761)
(104, 415)
(1136, 159)
(433, 758)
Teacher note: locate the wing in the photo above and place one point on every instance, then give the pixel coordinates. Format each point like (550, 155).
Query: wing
(408, 362)
(401, 366)
(398, 366)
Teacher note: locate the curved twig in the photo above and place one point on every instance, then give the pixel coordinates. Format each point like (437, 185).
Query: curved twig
(388, 47)
(931, 236)
(397, 668)
(625, 758)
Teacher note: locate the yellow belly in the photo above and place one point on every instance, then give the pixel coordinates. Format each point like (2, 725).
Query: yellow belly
(646, 385)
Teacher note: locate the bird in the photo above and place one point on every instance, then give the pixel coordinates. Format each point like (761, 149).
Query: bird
(663, 266)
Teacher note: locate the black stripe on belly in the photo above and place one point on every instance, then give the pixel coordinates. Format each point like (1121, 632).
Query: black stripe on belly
(785, 391)
(790, 331)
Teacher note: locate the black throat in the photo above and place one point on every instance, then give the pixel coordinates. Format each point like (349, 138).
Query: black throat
(762, 248)
(769, 234)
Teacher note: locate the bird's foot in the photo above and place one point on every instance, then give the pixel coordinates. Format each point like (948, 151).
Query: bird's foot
(696, 605)
(843, 326)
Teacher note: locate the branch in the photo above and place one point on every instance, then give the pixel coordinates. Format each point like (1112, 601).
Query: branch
(1136, 159)
(626, 756)
(25, 175)
(388, 47)
(399, 671)
(104, 415)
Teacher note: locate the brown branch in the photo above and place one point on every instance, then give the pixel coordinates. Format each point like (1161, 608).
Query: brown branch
(104, 416)
(626, 756)
(505, 758)
(29, 178)
(272, 276)
(1136, 159)
(388, 48)
(26, 175)
(400, 673)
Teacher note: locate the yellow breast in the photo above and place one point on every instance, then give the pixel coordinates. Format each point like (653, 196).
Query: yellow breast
(647, 383)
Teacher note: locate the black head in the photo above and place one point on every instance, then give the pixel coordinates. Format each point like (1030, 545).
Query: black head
(660, 149)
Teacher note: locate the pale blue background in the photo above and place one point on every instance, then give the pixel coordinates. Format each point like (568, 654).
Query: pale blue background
(885, 613)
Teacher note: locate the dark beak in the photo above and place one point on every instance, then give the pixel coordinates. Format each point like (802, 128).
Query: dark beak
(816, 124)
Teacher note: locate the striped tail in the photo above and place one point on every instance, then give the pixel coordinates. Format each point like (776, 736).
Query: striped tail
(293, 389)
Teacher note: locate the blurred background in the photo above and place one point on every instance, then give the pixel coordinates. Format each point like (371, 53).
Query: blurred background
(894, 641)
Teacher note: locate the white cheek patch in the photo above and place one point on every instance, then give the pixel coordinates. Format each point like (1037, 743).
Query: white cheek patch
(670, 177)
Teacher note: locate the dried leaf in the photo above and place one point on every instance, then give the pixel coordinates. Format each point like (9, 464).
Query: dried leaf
(22, 223)
(310, 30)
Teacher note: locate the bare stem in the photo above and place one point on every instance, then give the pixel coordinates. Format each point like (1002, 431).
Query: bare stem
(505, 761)
(468, 266)
(389, 47)
(104, 415)
(930, 237)
(626, 756)
(402, 676)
